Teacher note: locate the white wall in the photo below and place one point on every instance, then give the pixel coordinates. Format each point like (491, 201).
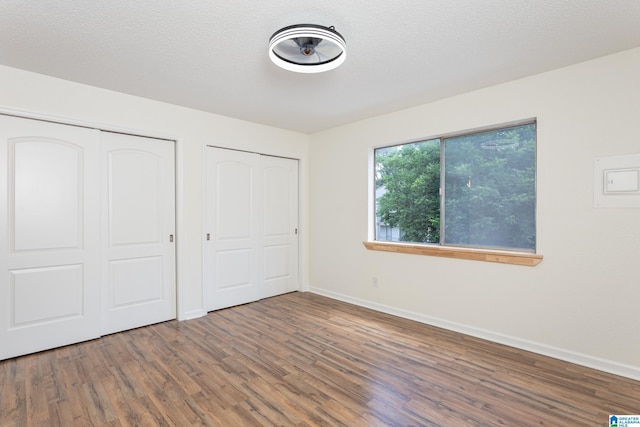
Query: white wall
(582, 303)
(55, 98)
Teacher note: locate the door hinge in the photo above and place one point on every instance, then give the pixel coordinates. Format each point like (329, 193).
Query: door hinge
(208, 236)
(171, 238)
(295, 231)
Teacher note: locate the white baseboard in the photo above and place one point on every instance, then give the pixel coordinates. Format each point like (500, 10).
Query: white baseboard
(193, 314)
(612, 367)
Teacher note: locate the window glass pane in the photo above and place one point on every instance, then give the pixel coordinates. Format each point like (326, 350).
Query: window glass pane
(489, 188)
(407, 192)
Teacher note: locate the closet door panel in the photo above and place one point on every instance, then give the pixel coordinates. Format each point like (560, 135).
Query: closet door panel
(49, 229)
(232, 251)
(46, 190)
(138, 243)
(280, 230)
(59, 289)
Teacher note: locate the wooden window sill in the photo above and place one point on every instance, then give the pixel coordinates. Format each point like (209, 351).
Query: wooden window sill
(505, 257)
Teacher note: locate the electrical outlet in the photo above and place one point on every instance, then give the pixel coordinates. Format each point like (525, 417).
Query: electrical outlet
(374, 282)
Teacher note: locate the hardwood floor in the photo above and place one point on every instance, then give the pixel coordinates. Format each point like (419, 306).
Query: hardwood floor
(303, 360)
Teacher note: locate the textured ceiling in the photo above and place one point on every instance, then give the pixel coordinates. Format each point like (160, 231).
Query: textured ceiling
(212, 55)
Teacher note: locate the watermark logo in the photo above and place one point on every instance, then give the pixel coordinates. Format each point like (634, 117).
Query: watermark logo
(624, 420)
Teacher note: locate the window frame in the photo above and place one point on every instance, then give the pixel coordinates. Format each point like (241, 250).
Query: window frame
(489, 254)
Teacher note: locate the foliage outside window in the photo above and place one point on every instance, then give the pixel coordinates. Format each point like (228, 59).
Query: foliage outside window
(472, 190)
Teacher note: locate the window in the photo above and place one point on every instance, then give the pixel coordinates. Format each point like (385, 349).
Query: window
(474, 190)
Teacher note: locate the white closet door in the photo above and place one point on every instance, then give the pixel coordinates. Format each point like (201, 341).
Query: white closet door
(138, 232)
(233, 259)
(280, 222)
(251, 220)
(49, 235)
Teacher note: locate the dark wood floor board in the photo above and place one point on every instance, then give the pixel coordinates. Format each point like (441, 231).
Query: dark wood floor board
(215, 414)
(571, 393)
(389, 411)
(303, 360)
(430, 411)
(13, 395)
(37, 406)
(60, 414)
(144, 412)
(273, 403)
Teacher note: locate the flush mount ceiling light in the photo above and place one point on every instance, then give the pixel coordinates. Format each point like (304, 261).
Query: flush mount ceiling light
(307, 48)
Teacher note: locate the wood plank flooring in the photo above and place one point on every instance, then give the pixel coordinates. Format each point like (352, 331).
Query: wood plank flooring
(303, 360)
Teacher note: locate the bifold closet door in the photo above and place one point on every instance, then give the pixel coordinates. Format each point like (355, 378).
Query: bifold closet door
(138, 232)
(251, 214)
(49, 235)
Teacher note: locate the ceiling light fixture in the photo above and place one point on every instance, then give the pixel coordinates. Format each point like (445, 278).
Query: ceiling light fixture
(307, 48)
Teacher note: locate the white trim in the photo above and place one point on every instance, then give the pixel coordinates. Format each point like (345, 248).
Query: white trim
(181, 314)
(193, 314)
(204, 246)
(81, 123)
(303, 230)
(609, 366)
